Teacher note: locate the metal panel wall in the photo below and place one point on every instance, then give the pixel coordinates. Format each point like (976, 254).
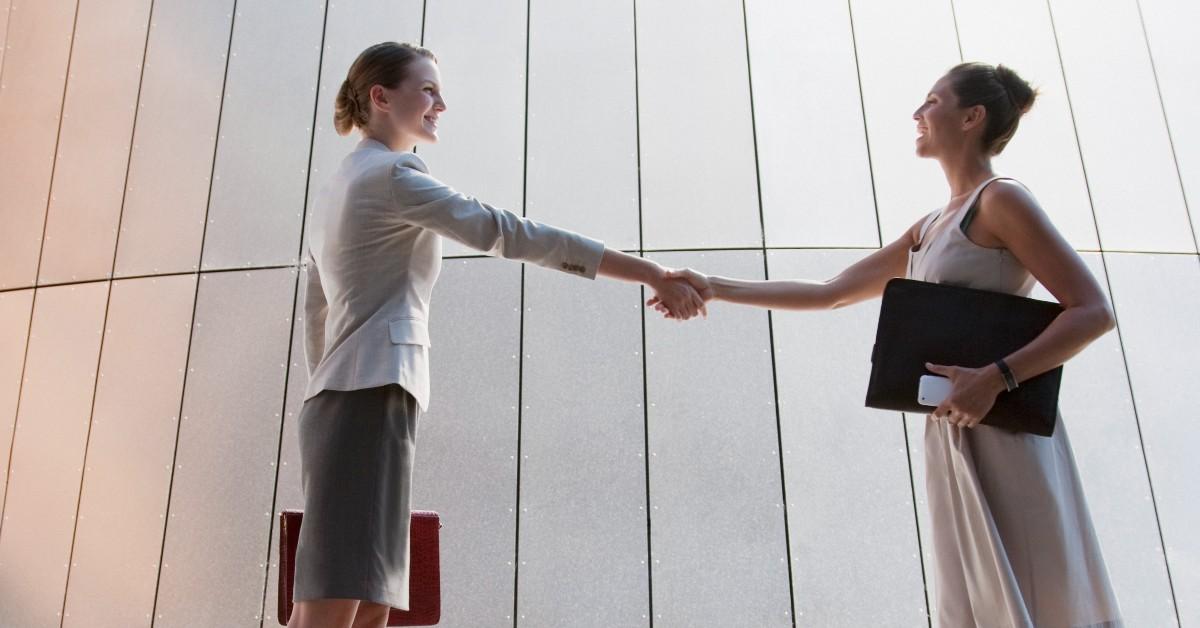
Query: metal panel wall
(15, 309)
(481, 46)
(219, 515)
(583, 533)
(1098, 410)
(812, 147)
(166, 199)
(1157, 300)
(582, 168)
(266, 129)
(48, 451)
(97, 127)
(718, 543)
(855, 559)
(288, 489)
(1043, 154)
(466, 465)
(126, 480)
(699, 184)
(1176, 57)
(4, 13)
(1098, 41)
(32, 81)
(903, 49)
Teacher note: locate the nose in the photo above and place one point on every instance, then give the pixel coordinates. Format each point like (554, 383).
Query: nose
(917, 114)
(439, 104)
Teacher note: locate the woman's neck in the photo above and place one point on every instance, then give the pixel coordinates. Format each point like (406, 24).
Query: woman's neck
(964, 173)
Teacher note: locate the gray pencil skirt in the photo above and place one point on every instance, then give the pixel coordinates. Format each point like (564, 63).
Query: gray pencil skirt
(356, 462)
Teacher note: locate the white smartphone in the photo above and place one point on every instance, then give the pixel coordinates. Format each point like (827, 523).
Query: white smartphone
(932, 390)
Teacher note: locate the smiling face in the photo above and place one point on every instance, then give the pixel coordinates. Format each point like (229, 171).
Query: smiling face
(938, 120)
(410, 110)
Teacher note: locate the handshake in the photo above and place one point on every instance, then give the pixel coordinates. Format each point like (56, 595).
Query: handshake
(681, 294)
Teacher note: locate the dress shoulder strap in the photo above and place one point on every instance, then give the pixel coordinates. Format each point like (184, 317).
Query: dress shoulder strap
(973, 203)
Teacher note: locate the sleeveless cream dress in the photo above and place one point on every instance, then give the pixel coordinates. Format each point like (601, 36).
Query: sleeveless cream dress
(1013, 541)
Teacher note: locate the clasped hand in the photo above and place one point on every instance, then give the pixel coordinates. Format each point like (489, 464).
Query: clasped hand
(682, 294)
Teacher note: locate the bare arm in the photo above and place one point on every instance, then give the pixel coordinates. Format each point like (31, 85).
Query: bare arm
(863, 280)
(1008, 216)
(682, 299)
(1012, 216)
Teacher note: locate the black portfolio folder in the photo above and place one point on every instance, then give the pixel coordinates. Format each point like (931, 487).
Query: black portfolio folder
(923, 322)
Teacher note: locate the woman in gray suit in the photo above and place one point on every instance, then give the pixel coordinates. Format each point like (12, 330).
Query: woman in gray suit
(373, 255)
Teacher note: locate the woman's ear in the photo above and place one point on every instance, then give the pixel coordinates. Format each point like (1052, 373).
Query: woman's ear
(379, 97)
(975, 117)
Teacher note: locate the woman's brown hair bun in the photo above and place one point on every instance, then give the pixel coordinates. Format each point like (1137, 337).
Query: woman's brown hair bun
(383, 64)
(1004, 95)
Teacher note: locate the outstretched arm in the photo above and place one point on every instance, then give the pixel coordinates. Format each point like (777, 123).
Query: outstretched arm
(680, 298)
(863, 280)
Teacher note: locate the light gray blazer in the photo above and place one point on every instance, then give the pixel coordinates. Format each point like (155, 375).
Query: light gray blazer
(374, 252)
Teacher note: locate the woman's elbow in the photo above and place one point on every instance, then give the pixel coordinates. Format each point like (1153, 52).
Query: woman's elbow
(1104, 320)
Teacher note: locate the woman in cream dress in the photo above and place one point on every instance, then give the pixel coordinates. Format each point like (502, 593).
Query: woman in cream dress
(1013, 542)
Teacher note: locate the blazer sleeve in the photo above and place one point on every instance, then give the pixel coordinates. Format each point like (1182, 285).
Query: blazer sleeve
(426, 202)
(315, 310)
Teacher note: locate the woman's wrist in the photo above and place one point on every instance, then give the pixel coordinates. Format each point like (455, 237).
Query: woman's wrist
(653, 273)
(720, 287)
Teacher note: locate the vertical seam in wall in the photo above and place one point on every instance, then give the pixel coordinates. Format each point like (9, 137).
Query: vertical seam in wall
(787, 539)
(957, 36)
(912, 488)
(86, 449)
(521, 341)
(866, 132)
(637, 127)
(195, 303)
(38, 269)
(7, 31)
(287, 376)
(1116, 317)
(424, 6)
(1167, 124)
(912, 485)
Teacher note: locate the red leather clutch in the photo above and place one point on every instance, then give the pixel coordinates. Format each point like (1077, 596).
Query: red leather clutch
(424, 572)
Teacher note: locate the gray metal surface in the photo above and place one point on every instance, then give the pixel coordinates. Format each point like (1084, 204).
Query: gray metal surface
(583, 536)
(718, 543)
(219, 516)
(466, 465)
(32, 80)
(903, 49)
(93, 150)
(1157, 299)
(48, 452)
(850, 505)
(696, 137)
(1097, 409)
(266, 129)
(166, 199)
(582, 171)
(812, 144)
(15, 309)
(1176, 56)
(1126, 170)
(127, 477)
